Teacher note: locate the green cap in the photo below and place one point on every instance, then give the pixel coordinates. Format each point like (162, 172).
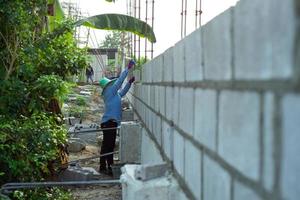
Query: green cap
(105, 82)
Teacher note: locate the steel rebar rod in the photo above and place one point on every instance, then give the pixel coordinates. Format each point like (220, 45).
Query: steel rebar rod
(92, 157)
(28, 185)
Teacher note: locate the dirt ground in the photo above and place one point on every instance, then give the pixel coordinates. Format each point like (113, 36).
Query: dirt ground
(93, 114)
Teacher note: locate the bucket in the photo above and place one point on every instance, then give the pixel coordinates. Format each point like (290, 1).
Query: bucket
(116, 170)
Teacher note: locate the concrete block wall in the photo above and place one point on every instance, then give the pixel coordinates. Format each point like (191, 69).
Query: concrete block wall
(223, 105)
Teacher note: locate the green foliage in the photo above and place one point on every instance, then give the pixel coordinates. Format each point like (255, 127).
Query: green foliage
(28, 145)
(38, 194)
(140, 62)
(34, 65)
(114, 39)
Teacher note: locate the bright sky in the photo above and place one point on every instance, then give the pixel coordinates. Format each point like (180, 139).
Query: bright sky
(167, 18)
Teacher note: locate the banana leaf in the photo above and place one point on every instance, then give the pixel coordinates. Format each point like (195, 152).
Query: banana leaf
(119, 22)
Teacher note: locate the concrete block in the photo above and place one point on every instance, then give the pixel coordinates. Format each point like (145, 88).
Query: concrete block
(130, 142)
(290, 156)
(151, 171)
(176, 102)
(268, 141)
(179, 149)
(186, 115)
(162, 97)
(169, 102)
(167, 137)
(143, 73)
(157, 98)
(158, 189)
(148, 94)
(75, 173)
(239, 131)
(206, 117)
(168, 57)
(192, 169)
(152, 96)
(157, 68)
(158, 130)
(193, 56)
(127, 115)
(137, 75)
(242, 192)
(179, 60)
(149, 153)
(264, 42)
(216, 181)
(217, 47)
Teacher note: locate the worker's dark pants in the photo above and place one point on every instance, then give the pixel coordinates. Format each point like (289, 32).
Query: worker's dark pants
(108, 144)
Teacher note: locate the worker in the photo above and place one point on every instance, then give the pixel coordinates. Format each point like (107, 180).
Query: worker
(89, 72)
(112, 94)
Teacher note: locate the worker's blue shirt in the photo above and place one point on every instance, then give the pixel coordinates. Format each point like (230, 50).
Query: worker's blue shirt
(112, 96)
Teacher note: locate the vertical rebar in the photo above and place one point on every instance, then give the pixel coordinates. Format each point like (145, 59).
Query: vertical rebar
(134, 36)
(182, 18)
(152, 27)
(185, 13)
(146, 19)
(139, 40)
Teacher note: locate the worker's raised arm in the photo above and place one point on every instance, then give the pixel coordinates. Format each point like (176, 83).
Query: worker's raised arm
(117, 85)
(127, 87)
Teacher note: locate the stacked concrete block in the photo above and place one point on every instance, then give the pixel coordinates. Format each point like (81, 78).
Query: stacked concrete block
(175, 106)
(217, 45)
(205, 125)
(243, 192)
(216, 181)
(178, 62)
(157, 98)
(186, 109)
(178, 152)
(239, 131)
(268, 141)
(225, 108)
(167, 138)
(157, 69)
(168, 65)
(266, 36)
(193, 56)
(162, 103)
(169, 102)
(291, 137)
(192, 169)
(149, 153)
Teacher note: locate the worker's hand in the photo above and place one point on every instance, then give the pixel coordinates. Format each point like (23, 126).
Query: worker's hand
(131, 64)
(131, 80)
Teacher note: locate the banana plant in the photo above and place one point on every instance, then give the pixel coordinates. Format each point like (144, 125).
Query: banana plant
(119, 22)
